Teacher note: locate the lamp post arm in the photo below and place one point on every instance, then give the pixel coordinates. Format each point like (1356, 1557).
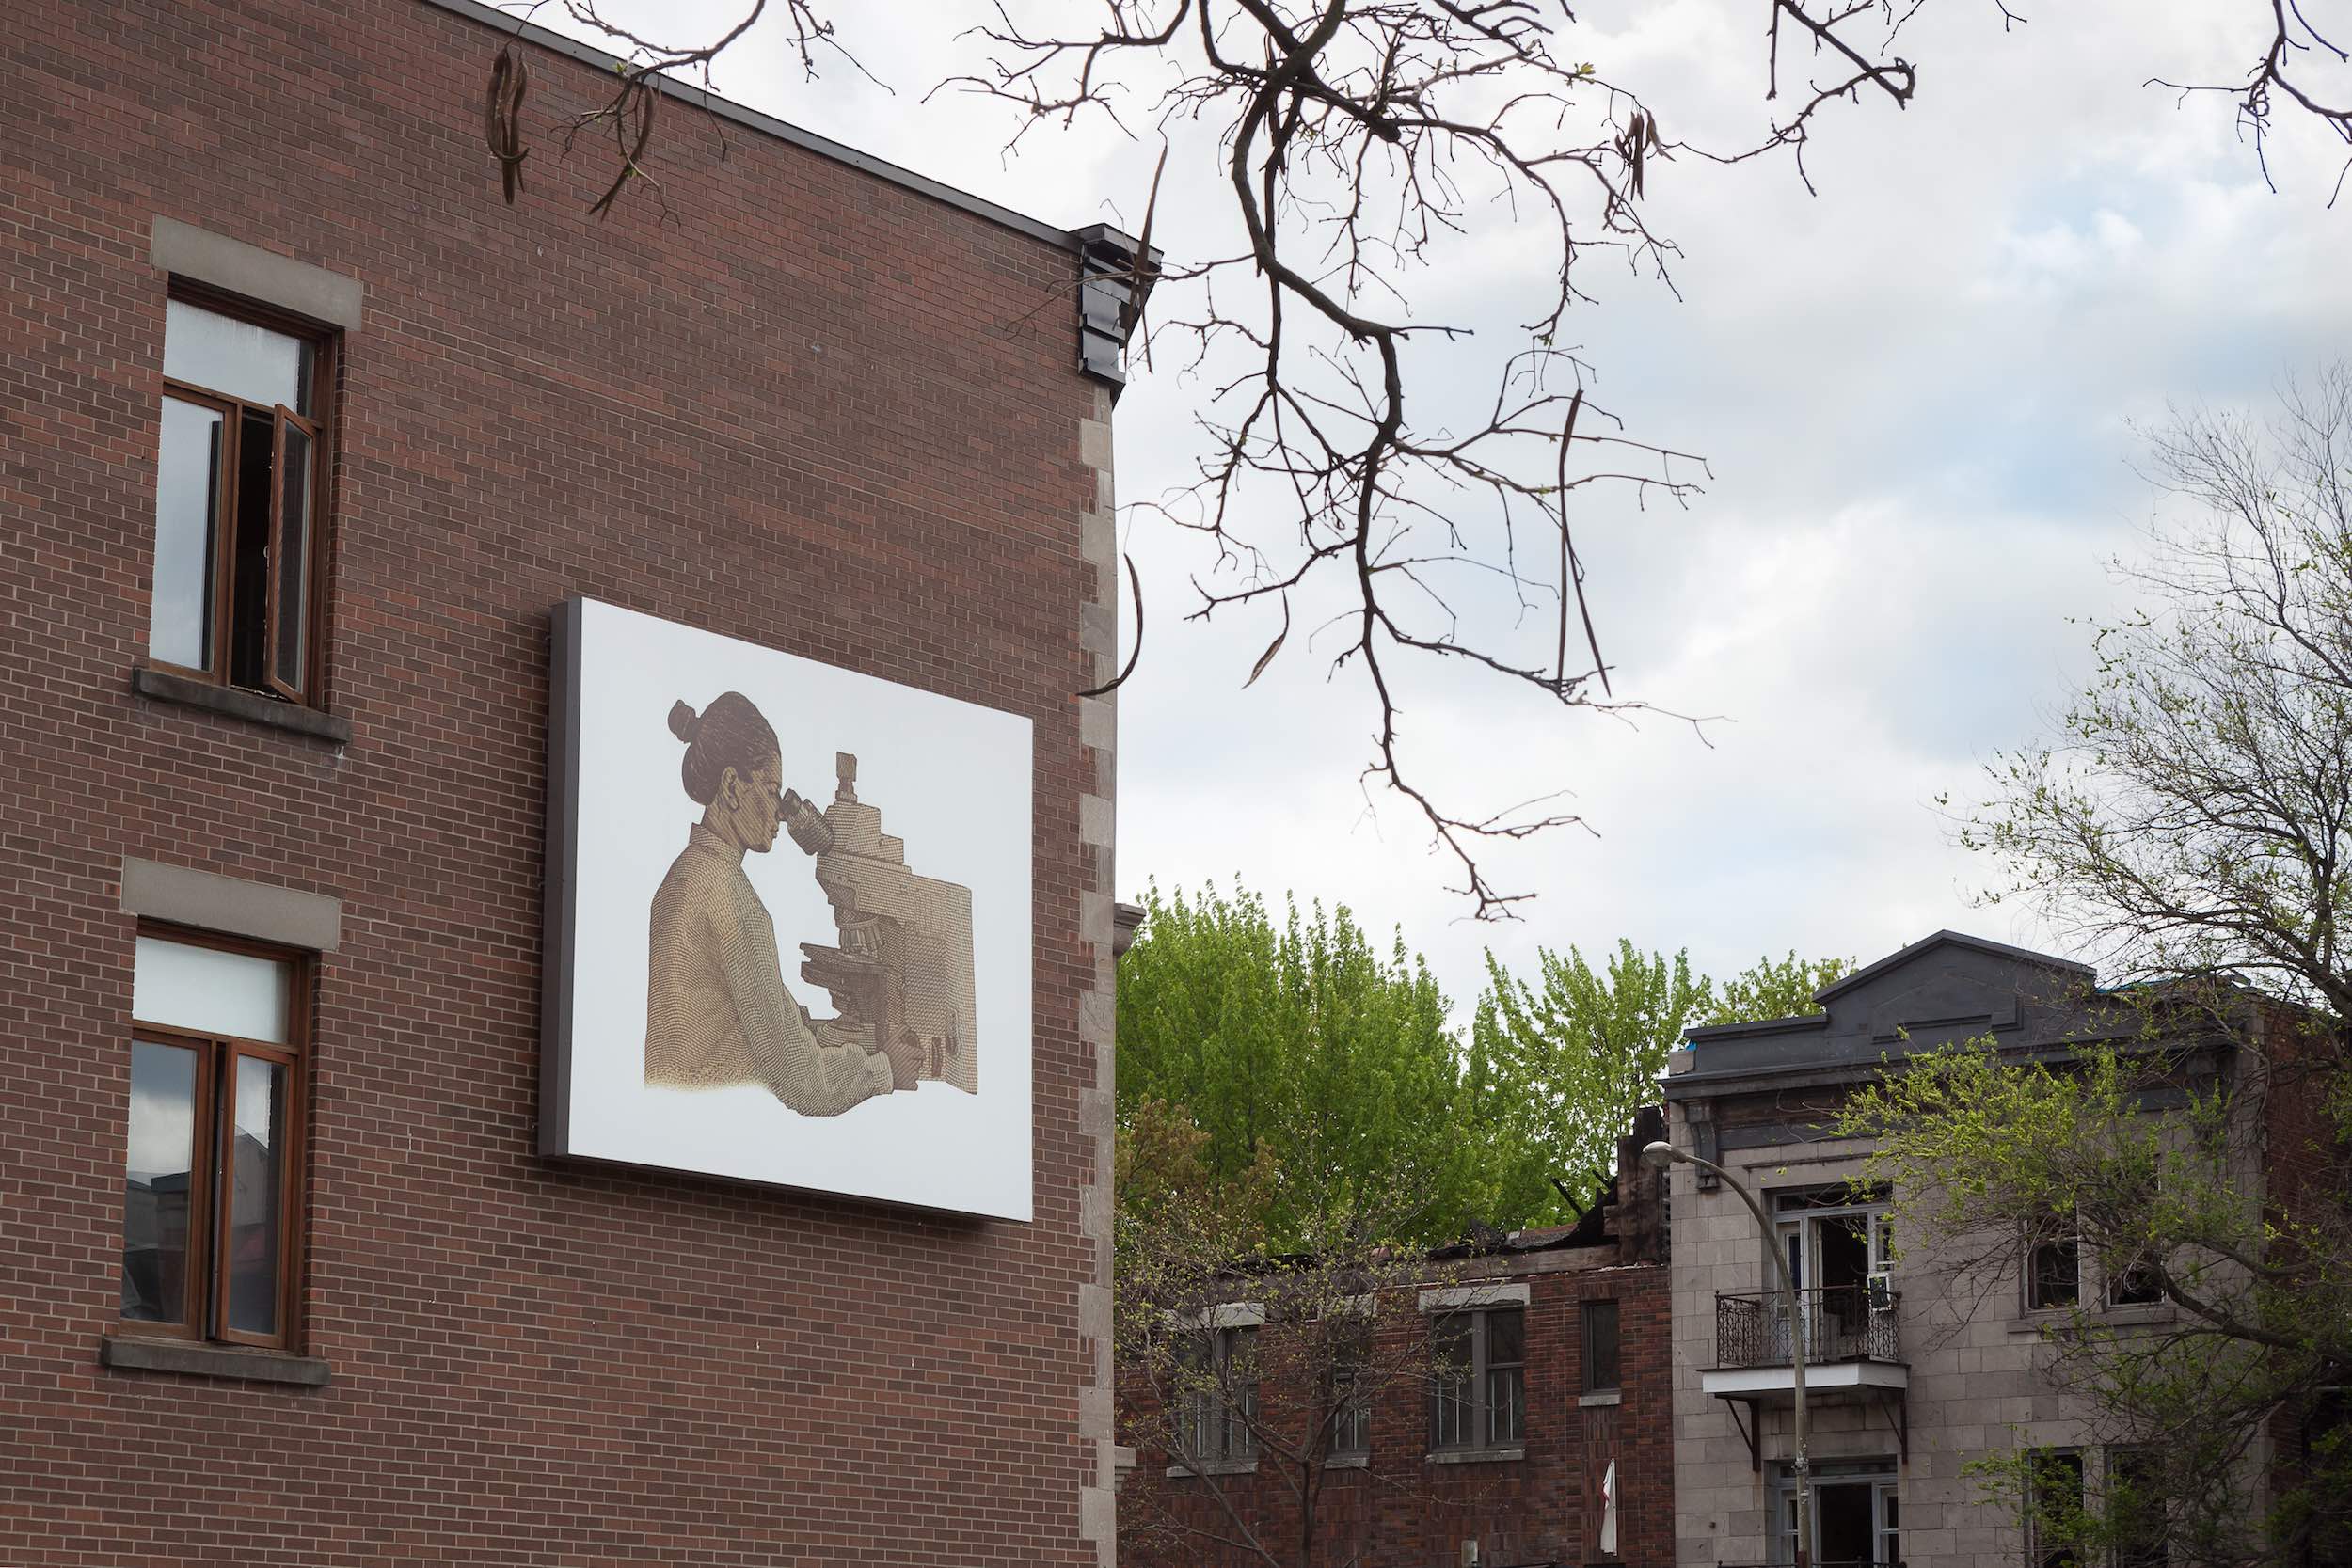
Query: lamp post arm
(1796, 1346)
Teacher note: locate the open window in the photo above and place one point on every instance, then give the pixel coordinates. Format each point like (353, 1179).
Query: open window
(1839, 1245)
(239, 496)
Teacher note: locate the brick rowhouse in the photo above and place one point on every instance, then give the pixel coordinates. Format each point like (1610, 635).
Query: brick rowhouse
(1408, 1500)
(827, 407)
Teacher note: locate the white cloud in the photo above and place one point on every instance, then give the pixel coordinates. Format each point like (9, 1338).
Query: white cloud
(1914, 390)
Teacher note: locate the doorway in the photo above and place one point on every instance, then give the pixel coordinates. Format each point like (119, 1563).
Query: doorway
(1839, 1245)
(1857, 1516)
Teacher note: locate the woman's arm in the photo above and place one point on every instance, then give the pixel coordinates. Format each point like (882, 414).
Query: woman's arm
(815, 1080)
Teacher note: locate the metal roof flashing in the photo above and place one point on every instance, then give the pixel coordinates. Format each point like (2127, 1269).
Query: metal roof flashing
(513, 26)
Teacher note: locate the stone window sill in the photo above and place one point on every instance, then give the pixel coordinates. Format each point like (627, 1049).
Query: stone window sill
(1475, 1456)
(1606, 1396)
(1216, 1468)
(1348, 1462)
(2041, 1321)
(135, 1353)
(164, 687)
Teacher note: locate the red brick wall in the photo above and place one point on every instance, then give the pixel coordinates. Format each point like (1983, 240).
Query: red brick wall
(815, 411)
(1404, 1512)
(2307, 1168)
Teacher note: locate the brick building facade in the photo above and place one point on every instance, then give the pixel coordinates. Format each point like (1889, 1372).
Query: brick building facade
(1419, 1485)
(828, 407)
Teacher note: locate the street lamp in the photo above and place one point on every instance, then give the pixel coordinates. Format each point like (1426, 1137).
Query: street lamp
(1657, 1156)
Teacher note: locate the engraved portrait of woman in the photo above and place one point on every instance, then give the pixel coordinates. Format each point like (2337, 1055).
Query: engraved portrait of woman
(716, 1010)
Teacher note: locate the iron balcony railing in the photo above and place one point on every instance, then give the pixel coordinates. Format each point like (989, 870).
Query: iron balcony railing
(1840, 1322)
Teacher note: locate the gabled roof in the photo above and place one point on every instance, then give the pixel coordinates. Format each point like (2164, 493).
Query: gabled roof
(1950, 939)
(1941, 989)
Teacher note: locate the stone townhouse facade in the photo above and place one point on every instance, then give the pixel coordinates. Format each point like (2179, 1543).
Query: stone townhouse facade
(309, 436)
(1922, 1359)
(1550, 1443)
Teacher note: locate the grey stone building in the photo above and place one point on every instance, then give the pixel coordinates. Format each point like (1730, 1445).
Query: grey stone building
(1920, 1363)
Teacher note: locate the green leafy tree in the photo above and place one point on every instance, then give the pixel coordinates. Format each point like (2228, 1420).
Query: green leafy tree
(1296, 1068)
(1576, 1055)
(1774, 988)
(1991, 1156)
(1580, 1051)
(2190, 824)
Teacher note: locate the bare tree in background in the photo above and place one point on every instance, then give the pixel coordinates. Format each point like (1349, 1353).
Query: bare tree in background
(1248, 1388)
(1360, 141)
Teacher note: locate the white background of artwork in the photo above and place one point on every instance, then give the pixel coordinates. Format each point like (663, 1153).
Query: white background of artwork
(951, 779)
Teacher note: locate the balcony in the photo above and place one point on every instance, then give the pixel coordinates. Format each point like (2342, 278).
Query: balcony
(1852, 1354)
(1840, 1323)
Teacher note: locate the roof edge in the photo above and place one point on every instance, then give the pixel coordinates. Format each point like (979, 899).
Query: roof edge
(1797, 1024)
(824, 146)
(1982, 944)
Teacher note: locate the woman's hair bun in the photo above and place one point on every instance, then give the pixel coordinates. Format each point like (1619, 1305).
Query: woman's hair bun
(684, 723)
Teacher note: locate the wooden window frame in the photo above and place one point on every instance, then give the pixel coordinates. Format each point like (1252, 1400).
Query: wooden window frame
(215, 1146)
(325, 344)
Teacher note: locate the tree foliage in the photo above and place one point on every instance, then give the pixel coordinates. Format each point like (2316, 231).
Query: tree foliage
(1991, 1156)
(2190, 826)
(1296, 1069)
(1581, 1049)
(1774, 988)
(1291, 1068)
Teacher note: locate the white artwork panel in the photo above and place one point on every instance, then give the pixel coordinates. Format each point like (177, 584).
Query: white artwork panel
(788, 921)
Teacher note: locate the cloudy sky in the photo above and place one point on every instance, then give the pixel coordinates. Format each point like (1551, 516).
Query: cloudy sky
(1916, 392)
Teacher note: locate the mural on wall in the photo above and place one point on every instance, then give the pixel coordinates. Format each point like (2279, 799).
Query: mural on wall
(743, 983)
(717, 1008)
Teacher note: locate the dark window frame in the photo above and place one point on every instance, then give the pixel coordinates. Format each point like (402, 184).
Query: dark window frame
(1215, 1422)
(320, 425)
(2138, 1468)
(1595, 1364)
(2038, 1553)
(1349, 1399)
(214, 1152)
(1469, 1390)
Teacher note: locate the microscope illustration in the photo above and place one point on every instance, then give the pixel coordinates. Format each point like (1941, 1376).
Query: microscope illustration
(901, 974)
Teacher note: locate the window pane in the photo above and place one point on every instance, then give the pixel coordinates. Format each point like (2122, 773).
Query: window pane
(1506, 1405)
(187, 495)
(2055, 1275)
(292, 567)
(255, 1147)
(202, 988)
(1505, 1344)
(2133, 1284)
(222, 353)
(158, 1181)
(1601, 1345)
